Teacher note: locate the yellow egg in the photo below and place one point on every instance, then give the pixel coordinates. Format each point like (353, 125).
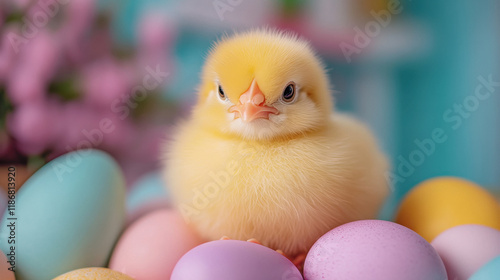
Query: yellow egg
(93, 273)
(441, 203)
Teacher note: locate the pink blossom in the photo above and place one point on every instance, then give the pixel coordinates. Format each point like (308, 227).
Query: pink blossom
(22, 4)
(155, 37)
(27, 77)
(105, 82)
(80, 15)
(25, 87)
(73, 34)
(41, 55)
(70, 45)
(8, 56)
(155, 33)
(32, 125)
(75, 118)
(121, 137)
(87, 47)
(84, 126)
(101, 44)
(74, 47)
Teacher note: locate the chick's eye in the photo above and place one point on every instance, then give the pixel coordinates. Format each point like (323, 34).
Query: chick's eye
(288, 95)
(222, 95)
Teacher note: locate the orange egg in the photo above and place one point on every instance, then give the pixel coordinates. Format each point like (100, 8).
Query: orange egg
(441, 203)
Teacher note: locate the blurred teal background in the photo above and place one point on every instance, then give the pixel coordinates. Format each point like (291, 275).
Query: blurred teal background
(427, 59)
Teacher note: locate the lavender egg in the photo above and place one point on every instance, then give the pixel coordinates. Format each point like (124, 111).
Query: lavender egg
(234, 260)
(373, 249)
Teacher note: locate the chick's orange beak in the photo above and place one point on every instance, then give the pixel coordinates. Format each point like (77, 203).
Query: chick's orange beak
(251, 105)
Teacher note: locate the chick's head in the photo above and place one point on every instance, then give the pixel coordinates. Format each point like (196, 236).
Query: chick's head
(263, 85)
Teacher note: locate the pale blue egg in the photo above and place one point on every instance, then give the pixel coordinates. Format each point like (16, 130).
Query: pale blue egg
(490, 270)
(148, 188)
(69, 215)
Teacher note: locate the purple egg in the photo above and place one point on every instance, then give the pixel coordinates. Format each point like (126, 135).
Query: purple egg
(234, 260)
(373, 249)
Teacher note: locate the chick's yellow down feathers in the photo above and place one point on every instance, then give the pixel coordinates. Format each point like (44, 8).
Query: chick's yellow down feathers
(263, 155)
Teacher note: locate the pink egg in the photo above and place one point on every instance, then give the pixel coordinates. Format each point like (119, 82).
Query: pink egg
(5, 273)
(150, 247)
(147, 208)
(373, 249)
(466, 248)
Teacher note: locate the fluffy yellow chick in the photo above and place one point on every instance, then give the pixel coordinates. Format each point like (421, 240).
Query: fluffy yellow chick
(263, 155)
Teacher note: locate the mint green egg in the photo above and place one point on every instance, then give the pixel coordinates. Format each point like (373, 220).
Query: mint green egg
(68, 215)
(490, 270)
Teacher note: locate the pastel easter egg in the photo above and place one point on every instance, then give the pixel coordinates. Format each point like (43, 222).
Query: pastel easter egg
(151, 246)
(373, 249)
(93, 273)
(441, 203)
(146, 195)
(69, 215)
(234, 259)
(489, 271)
(466, 248)
(5, 266)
